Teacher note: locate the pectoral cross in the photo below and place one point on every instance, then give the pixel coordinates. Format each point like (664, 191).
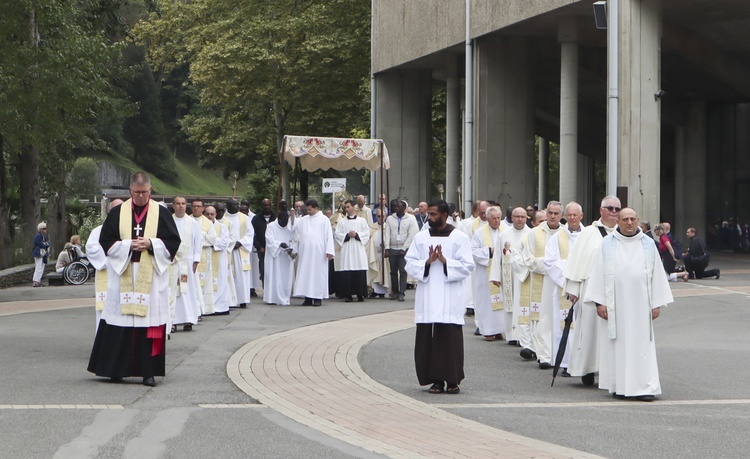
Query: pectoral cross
(138, 230)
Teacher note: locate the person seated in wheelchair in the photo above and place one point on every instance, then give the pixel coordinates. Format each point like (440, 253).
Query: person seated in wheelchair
(70, 253)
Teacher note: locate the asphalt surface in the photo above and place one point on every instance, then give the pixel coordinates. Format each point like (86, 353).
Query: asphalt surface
(51, 407)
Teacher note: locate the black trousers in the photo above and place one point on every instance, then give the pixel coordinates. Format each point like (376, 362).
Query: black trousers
(698, 267)
(353, 283)
(439, 353)
(398, 272)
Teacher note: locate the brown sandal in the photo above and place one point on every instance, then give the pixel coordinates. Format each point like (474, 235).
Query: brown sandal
(452, 389)
(436, 388)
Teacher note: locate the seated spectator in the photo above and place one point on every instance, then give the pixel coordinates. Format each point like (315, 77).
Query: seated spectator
(66, 257)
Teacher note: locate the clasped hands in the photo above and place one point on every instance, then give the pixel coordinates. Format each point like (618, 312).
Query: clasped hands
(436, 253)
(141, 244)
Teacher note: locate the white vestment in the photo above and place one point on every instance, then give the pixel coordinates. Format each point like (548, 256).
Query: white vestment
(315, 240)
(242, 231)
(379, 272)
(554, 263)
(508, 245)
(439, 297)
(364, 212)
(224, 296)
(186, 292)
(279, 266)
(255, 281)
(98, 260)
(533, 258)
(629, 279)
(205, 268)
(490, 322)
(584, 341)
(353, 256)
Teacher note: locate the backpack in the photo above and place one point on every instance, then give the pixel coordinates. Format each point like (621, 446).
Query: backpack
(677, 247)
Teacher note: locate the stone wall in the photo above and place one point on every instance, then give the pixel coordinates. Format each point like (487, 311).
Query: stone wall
(112, 176)
(20, 275)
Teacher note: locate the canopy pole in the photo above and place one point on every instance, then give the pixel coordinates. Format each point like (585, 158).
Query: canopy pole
(382, 211)
(281, 172)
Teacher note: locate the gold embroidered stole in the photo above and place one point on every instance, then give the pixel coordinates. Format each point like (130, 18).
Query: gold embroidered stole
(215, 262)
(201, 269)
(476, 224)
(531, 289)
(180, 264)
(496, 293)
(563, 244)
(100, 288)
(507, 273)
(244, 253)
(135, 293)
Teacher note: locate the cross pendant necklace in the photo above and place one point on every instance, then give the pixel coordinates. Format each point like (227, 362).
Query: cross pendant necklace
(138, 230)
(139, 219)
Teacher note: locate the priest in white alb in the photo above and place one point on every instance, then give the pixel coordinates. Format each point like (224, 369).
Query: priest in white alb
(220, 268)
(242, 232)
(316, 248)
(556, 255)
(440, 260)
(186, 292)
(140, 239)
(281, 250)
(584, 338)
(628, 286)
(507, 271)
(352, 234)
(205, 269)
(488, 297)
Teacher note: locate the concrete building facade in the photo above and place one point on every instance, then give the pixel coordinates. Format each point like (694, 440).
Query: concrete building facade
(540, 73)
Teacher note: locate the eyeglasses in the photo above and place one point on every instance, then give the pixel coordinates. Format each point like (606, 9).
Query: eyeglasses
(612, 208)
(141, 193)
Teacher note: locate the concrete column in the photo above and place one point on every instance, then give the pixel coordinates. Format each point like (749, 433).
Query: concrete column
(404, 109)
(504, 124)
(543, 172)
(639, 112)
(690, 172)
(568, 35)
(452, 139)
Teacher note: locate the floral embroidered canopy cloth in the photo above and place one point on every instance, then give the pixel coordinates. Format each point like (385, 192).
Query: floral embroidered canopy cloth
(335, 153)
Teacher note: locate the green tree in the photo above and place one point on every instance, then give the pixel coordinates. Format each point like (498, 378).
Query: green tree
(82, 179)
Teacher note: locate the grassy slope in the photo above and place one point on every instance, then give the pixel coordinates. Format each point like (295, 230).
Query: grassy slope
(191, 179)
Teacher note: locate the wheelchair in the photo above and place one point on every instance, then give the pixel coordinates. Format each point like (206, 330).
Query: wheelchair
(78, 272)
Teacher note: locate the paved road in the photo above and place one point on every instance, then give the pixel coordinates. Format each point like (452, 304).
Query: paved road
(338, 381)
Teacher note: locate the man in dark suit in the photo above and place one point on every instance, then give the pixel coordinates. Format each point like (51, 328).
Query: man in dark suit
(259, 222)
(696, 258)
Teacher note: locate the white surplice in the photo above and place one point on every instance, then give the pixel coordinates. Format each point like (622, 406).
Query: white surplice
(187, 294)
(440, 294)
(628, 278)
(489, 321)
(98, 259)
(315, 241)
(243, 280)
(225, 295)
(353, 256)
(205, 268)
(510, 242)
(279, 266)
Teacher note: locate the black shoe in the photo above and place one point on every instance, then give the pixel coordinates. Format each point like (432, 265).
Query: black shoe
(307, 302)
(373, 295)
(243, 305)
(476, 332)
(381, 295)
(253, 294)
(588, 379)
(691, 276)
(618, 396)
(348, 299)
(316, 302)
(528, 354)
(470, 312)
(645, 398)
(115, 379)
(565, 373)
(544, 366)
(718, 273)
(149, 381)
(513, 342)
(360, 299)
(225, 313)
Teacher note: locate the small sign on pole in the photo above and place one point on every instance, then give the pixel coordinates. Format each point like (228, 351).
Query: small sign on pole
(332, 185)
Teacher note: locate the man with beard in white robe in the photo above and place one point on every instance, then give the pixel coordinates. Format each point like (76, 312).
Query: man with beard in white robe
(315, 240)
(221, 275)
(204, 269)
(185, 289)
(488, 300)
(98, 259)
(440, 259)
(537, 286)
(628, 286)
(506, 272)
(584, 338)
(556, 255)
(242, 232)
(352, 234)
(281, 249)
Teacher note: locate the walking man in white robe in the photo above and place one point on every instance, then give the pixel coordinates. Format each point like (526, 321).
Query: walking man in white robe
(281, 249)
(204, 269)
(220, 273)
(488, 300)
(352, 234)
(186, 293)
(315, 239)
(556, 255)
(628, 286)
(241, 230)
(584, 338)
(507, 271)
(537, 286)
(440, 259)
